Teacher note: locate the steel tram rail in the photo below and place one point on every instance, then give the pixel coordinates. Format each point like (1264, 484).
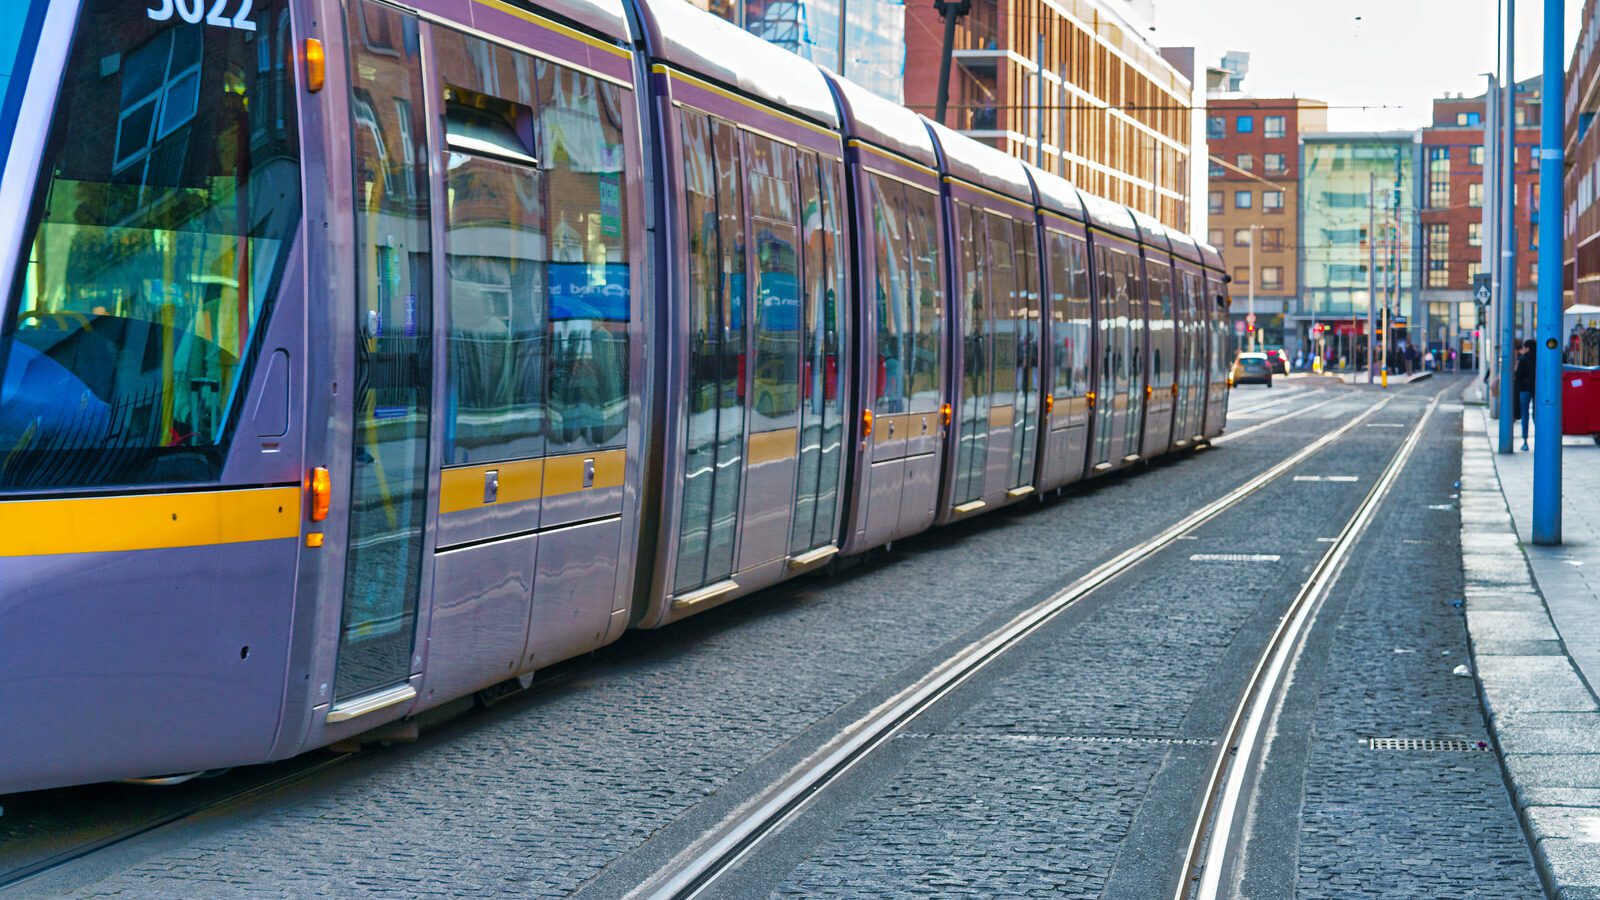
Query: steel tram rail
(1240, 753)
(27, 871)
(699, 866)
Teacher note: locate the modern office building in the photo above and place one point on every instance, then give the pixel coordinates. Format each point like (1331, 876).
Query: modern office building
(872, 53)
(1253, 203)
(1451, 200)
(1074, 86)
(1358, 196)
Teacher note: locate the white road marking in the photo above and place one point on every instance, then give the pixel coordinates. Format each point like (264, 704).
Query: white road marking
(1385, 425)
(1234, 557)
(1339, 478)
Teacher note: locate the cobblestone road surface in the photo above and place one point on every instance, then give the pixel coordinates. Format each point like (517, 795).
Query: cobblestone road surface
(1065, 770)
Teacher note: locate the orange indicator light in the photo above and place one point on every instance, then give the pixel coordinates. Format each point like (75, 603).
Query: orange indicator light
(316, 65)
(321, 493)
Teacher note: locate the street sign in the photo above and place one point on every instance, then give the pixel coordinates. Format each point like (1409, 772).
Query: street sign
(1480, 289)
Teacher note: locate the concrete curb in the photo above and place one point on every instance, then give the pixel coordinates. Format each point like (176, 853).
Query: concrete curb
(1544, 717)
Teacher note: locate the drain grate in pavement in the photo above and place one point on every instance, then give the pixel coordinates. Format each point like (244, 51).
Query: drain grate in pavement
(1428, 745)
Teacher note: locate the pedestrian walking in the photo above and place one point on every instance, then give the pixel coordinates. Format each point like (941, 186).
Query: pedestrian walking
(1523, 379)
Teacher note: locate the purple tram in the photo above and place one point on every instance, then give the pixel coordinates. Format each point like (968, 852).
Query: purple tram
(377, 355)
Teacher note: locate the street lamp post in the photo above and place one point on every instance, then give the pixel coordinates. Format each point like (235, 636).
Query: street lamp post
(1547, 449)
(1508, 232)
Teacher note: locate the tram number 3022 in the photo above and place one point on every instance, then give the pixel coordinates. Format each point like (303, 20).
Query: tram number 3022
(191, 10)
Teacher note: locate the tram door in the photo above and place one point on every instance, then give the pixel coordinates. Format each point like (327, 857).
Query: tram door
(821, 378)
(1108, 382)
(775, 333)
(1132, 303)
(393, 359)
(976, 379)
(1025, 321)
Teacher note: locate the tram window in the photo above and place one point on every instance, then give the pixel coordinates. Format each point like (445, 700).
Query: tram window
(705, 330)
(927, 297)
(1160, 322)
(892, 287)
(1027, 313)
(1003, 306)
(776, 376)
(975, 286)
(153, 255)
(495, 242)
(580, 143)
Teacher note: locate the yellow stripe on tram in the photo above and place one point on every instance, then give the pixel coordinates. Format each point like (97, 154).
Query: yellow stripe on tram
(148, 521)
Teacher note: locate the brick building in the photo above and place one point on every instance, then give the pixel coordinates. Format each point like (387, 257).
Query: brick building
(1450, 202)
(1582, 180)
(1254, 197)
(1072, 85)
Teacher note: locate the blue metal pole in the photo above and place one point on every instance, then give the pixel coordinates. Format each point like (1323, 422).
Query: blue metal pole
(1547, 394)
(1506, 327)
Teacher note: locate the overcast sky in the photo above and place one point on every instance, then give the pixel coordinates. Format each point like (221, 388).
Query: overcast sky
(1400, 55)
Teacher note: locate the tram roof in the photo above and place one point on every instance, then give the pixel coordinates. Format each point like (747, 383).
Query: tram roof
(888, 125)
(1113, 217)
(1151, 231)
(981, 164)
(1183, 245)
(1211, 257)
(709, 46)
(1055, 193)
(605, 16)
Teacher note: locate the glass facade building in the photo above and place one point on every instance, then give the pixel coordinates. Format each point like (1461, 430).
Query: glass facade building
(1351, 181)
(874, 47)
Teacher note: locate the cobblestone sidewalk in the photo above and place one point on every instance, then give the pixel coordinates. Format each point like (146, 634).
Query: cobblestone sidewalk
(1533, 614)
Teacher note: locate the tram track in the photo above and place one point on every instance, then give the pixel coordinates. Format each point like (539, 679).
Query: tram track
(720, 850)
(1216, 839)
(29, 863)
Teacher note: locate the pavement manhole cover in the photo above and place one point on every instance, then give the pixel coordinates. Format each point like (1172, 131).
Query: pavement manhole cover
(1428, 745)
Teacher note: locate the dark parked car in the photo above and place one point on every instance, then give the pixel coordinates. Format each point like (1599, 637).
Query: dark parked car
(1279, 361)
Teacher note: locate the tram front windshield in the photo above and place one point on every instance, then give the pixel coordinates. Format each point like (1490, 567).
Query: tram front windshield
(166, 201)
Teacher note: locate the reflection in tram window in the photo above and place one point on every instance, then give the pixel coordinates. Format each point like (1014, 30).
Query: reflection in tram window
(972, 447)
(155, 250)
(394, 337)
(1025, 419)
(822, 409)
(927, 297)
(581, 152)
(1069, 310)
(777, 310)
(714, 436)
(893, 296)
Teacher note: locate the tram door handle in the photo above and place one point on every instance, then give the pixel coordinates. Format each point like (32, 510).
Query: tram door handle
(491, 486)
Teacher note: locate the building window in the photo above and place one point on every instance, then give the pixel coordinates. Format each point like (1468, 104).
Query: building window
(1276, 163)
(1472, 118)
(1474, 234)
(1214, 237)
(1241, 275)
(1216, 170)
(1438, 255)
(1438, 177)
(1475, 194)
(1246, 162)
(1475, 155)
(1216, 128)
(1246, 124)
(1272, 201)
(1243, 200)
(1439, 314)
(1271, 277)
(1474, 269)
(1275, 126)
(1215, 199)
(1241, 237)
(1272, 239)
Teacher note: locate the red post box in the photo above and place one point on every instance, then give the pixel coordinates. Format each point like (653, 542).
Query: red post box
(1580, 400)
